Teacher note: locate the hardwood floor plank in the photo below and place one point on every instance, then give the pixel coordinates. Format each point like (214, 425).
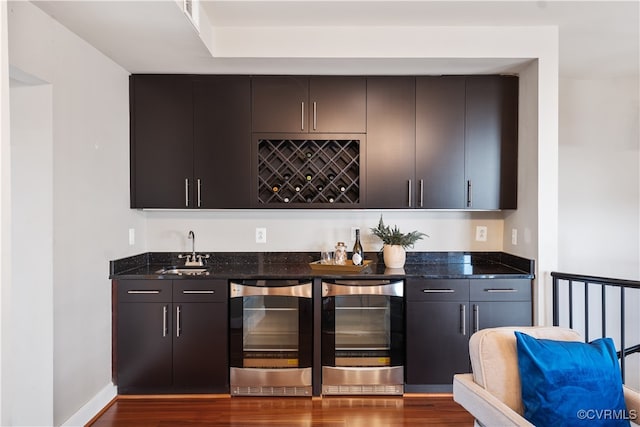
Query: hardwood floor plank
(333, 411)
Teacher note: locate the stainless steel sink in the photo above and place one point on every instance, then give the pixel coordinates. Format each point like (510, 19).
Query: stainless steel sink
(183, 271)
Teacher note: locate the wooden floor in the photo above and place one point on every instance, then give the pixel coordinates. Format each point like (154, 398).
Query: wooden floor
(411, 410)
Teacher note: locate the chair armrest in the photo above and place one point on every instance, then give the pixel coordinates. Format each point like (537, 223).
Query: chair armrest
(485, 407)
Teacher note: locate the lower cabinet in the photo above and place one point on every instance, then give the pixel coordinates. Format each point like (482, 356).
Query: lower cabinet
(171, 336)
(441, 315)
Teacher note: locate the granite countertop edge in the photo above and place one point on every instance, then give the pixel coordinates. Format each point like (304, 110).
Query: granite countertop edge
(286, 265)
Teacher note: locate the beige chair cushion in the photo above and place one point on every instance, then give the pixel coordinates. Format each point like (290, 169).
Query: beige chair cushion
(494, 359)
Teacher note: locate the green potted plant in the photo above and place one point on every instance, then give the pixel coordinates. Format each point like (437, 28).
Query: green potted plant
(395, 242)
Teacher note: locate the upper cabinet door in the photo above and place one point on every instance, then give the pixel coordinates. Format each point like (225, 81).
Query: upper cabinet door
(280, 104)
(161, 112)
(491, 161)
(440, 142)
(297, 104)
(222, 135)
(391, 136)
(338, 104)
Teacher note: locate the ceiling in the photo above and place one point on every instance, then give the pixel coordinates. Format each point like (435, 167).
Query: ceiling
(597, 38)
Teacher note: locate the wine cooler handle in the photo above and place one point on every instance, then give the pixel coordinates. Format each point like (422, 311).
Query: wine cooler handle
(463, 318)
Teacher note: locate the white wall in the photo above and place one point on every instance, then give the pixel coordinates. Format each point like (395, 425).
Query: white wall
(90, 135)
(599, 176)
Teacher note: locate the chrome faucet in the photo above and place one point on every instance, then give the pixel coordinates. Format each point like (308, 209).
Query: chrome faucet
(193, 259)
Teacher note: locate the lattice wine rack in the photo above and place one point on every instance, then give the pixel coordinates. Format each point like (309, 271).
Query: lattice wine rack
(308, 171)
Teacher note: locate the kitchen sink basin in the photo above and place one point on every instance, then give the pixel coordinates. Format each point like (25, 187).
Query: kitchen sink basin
(183, 271)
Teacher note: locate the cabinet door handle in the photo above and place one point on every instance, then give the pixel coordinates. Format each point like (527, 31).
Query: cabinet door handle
(199, 192)
(186, 192)
(501, 290)
(178, 323)
(409, 192)
(438, 291)
(469, 194)
(165, 331)
(155, 291)
(302, 115)
(315, 116)
(199, 292)
(463, 318)
(476, 317)
(421, 193)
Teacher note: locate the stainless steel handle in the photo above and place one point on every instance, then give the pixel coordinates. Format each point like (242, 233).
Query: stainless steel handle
(164, 321)
(394, 289)
(409, 193)
(302, 115)
(476, 317)
(178, 325)
(199, 292)
(499, 290)
(186, 192)
(199, 192)
(463, 318)
(469, 194)
(315, 116)
(144, 292)
(438, 291)
(303, 290)
(421, 193)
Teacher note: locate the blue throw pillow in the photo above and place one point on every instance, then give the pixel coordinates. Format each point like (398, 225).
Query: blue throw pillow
(568, 383)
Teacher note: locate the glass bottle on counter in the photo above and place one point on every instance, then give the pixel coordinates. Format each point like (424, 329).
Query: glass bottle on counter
(358, 254)
(340, 255)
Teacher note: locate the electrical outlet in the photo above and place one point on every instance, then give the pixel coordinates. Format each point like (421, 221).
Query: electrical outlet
(481, 233)
(261, 235)
(514, 236)
(132, 236)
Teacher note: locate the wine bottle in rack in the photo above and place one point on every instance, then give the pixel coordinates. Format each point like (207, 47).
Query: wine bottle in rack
(275, 188)
(308, 176)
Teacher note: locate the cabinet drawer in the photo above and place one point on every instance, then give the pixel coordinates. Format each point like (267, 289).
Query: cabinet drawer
(500, 290)
(144, 291)
(200, 290)
(438, 290)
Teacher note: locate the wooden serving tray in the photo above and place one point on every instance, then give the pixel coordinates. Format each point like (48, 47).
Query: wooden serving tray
(346, 267)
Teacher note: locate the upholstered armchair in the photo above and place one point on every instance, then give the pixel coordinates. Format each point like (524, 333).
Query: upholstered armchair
(492, 393)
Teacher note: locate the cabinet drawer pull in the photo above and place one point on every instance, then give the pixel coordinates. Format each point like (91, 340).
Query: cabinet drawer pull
(469, 194)
(463, 318)
(421, 193)
(302, 115)
(199, 192)
(199, 292)
(438, 291)
(144, 292)
(409, 192)
(315, 116)
(476, 318)
(501, 290)
(178, 325)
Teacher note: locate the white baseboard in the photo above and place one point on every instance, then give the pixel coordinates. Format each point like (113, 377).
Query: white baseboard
(92, 407)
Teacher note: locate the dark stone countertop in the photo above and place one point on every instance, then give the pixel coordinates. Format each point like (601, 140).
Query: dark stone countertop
(290, 265)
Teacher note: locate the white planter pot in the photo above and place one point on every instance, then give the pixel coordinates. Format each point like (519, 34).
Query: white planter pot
(394, 256)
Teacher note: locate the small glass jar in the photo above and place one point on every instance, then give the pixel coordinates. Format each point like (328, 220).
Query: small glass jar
(340, 255)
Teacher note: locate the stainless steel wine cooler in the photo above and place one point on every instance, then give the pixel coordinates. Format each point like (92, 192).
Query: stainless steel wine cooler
(271, 338)
(363, 337)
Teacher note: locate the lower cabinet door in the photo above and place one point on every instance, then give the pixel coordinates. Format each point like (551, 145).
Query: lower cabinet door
(493, 314)
(144, 347)
(437, 342)
(200, 361)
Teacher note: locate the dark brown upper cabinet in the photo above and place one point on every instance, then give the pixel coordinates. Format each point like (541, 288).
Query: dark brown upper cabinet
(491, 142)
(300, 104)
(190, 141)
(161, 147)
